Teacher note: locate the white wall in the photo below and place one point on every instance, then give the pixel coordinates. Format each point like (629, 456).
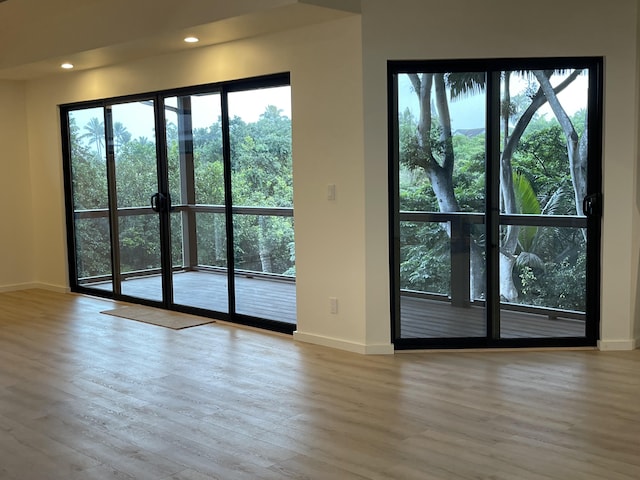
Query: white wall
(16, 226)
(432, 29)
(635, 259)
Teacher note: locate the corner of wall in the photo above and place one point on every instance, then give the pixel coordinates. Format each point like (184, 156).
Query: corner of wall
(364, 349)
(618, 345)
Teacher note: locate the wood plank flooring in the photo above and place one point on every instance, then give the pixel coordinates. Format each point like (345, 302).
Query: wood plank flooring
(90, 396)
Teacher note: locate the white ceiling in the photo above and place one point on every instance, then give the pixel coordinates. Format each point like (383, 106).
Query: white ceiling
(36, 36)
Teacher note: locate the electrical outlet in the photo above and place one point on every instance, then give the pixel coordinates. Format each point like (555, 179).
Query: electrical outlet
(333, 305)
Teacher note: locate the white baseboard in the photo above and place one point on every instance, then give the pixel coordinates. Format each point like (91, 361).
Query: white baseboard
(376, 349)
(34, 285)
(617, 345)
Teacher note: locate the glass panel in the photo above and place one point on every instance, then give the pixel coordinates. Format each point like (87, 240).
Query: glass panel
(140, 256)
(196, 182)
(551, 285)
(93, 252)
(136, 181)
(207, 286)
(261, 166)
(90, 198)
(543, 179)
(135, 154)
(265, 269)
(212, 240)
(441, 118)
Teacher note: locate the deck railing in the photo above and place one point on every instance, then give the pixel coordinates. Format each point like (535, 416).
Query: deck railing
(459, 229)
(189, 241)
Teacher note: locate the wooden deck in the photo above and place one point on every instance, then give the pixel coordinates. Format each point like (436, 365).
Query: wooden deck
(424, 318)
(276, 300)
(258, 297)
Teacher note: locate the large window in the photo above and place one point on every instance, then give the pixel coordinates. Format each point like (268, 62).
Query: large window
(184, 199)
(495, 171)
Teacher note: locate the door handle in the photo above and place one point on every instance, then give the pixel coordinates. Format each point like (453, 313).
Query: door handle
(158, 202)
(592, 205)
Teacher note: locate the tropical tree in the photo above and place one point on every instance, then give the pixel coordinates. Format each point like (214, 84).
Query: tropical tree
(121, 134)
(432, 150)
(94, 132)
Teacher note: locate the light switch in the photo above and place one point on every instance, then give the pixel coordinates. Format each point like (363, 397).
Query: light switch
(331, 191)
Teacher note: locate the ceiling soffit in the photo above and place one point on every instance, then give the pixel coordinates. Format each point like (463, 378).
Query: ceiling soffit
(36, 36)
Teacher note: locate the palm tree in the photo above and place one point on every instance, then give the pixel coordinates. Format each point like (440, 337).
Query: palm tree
(120, 134)
(95, 134)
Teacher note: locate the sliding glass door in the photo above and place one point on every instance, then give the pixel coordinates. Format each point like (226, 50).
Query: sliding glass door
(115, 230)
(183, 199)
(262, 211)
(89, 199)
(134, 196)
(197, 189)
(495, 181)
(545, 166)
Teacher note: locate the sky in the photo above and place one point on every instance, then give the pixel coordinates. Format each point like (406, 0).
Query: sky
(248, 105)
(469, 112)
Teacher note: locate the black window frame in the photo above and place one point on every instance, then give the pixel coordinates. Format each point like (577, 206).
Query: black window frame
(492, 66)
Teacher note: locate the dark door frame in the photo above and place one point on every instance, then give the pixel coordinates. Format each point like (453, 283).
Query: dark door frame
(492, 68)
(275, 80)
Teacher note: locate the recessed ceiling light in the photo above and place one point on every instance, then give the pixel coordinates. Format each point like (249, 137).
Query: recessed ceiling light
(192, 39)
(67, 66)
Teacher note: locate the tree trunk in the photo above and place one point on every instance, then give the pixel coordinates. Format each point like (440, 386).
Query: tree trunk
(441, 174)
(576, 148)
(219, 241)
(508, 291)
(510, 242)
(508, 247)
(263, 247)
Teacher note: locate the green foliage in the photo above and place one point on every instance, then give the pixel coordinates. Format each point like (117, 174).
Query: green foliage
(261, 176)
(468, 176)
(526, 203)
(550, 262)
(425, 258)
(559, 284)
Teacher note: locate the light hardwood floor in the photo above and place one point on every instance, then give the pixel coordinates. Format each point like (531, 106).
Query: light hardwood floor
(90, 396)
